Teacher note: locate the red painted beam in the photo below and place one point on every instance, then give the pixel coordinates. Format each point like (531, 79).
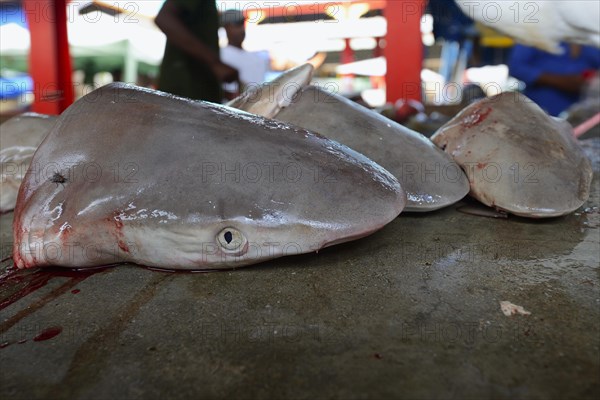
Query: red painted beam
(293, 8)
(404, 49)
(49, 59)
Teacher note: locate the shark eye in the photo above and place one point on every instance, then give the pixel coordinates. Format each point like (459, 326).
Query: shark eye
(231, 240)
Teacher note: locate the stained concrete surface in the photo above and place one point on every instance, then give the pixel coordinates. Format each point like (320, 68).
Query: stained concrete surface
(410, 312)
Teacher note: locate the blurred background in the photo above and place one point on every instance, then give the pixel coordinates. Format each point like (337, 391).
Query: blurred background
(417, 62)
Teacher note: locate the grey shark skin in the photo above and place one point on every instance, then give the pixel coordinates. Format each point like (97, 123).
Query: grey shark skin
(267, 99)
(173, 183)
(431, 179)
(25, 130)
(518, 158)
(19, 138)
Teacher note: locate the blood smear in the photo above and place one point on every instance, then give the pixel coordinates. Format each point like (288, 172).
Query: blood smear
(48, 334)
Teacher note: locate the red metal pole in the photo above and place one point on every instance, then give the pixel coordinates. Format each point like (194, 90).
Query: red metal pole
(49, 60)
(348, 53)
(404, 49)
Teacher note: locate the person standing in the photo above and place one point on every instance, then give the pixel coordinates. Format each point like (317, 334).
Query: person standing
(252, 65)
(191, 65)
(553, 81)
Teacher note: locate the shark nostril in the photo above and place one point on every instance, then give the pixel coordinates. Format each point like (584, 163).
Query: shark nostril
(228, 237)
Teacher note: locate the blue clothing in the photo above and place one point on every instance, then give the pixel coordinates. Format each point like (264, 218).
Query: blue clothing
(528, 63)
(449, 22)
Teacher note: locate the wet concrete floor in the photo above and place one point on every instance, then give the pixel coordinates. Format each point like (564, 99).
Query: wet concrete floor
(412, 311)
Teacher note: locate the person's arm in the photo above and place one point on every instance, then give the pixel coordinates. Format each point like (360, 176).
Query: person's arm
(571, 83)
(177, 33)
(523, 65)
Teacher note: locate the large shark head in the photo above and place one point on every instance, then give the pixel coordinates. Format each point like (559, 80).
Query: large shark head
(19, 138)
(518, 158)
(270, 97)
(133, 175)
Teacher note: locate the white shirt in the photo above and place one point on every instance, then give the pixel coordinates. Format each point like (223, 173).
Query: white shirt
(251, 65)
